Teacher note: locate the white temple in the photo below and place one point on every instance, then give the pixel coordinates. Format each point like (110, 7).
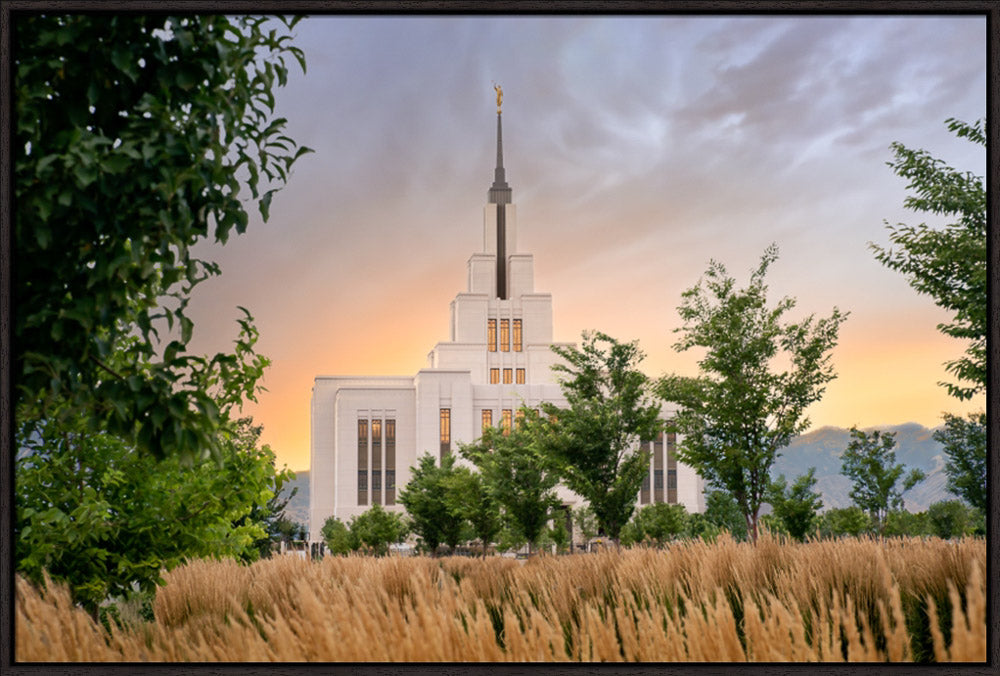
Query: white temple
(368, 431)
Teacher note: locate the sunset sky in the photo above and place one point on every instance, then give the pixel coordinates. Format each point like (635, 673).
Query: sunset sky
(638, 149)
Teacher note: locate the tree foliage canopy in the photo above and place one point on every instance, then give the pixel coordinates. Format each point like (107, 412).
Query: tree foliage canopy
(93, 512)
(376, 529)
(338, 537)
(841, 521)
(432, 516)
(656, 524)
(723, 512)
(869, 461)
(741, 410)
(949, 263)
(594, 440)
(135, 137)
(949, 519)
(469, 495)
(795, 506)
(517, 475)
(964, 442)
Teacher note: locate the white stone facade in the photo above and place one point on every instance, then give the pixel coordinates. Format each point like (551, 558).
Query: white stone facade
(498, 358)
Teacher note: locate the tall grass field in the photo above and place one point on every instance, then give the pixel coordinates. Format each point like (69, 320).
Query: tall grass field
(833, 600)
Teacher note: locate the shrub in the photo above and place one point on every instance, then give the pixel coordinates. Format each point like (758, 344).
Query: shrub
(657, 523)
(949, 518)
(339, 539)
(844, 521)
(377, 529)
(901, 522)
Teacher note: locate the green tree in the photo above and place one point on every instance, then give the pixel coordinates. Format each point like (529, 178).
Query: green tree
(96, 513)
(657, 523)
(425, 499)
(338, 537)
(632, 533)
(722, 511)
(869, 461)
(377, 528)
(948, 264)
(610, 411)
(964, 444)
(285, 530)
(740, 411)
(841, 521)
(271, 514)
(949, 518)
(517, 475)
(101, 517)
(902, 523)
(699, 526)
(135, 138)
(468, 495)
(663, 522)
(796, 506)
(559, 533)
(585, 522)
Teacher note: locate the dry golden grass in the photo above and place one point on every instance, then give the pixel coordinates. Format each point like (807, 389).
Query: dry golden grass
(852, 599)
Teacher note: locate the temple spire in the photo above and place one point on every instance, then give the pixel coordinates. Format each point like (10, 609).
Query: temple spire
(500, 192)
(499, 195)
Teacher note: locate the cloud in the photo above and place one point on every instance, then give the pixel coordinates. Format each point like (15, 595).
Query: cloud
(637, 148)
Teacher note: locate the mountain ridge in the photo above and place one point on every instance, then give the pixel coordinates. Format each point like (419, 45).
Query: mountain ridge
(822, 448)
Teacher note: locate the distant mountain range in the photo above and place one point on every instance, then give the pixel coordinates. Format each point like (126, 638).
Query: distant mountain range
(298, 506)
(821, 448)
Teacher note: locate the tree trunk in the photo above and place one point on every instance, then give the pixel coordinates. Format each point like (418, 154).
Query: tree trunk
(752, 527)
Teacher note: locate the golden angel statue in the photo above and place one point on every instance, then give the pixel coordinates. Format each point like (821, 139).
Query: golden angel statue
(499, 95)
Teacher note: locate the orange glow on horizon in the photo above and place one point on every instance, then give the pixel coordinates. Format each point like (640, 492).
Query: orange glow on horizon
(878, 384)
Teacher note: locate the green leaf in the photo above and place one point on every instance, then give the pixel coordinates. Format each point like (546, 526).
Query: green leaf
(85, 175)
(116, 164)
(44, 163)
(265, 204)
(43, 236)
(125, 61)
